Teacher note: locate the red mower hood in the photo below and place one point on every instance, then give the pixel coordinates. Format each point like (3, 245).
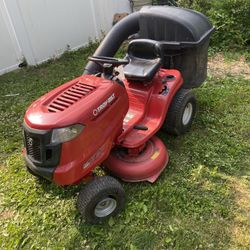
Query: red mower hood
(74, 102)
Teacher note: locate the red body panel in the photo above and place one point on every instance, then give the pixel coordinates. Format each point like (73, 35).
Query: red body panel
(39, 117)
(148, 105)
(101, 106)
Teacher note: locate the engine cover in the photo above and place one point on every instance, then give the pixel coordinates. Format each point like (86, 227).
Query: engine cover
(98, 104)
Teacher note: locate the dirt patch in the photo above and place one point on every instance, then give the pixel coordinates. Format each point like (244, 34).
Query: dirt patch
(6, 214)
(219, 67)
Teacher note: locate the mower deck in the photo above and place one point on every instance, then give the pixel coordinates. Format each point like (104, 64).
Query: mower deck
(145, 166)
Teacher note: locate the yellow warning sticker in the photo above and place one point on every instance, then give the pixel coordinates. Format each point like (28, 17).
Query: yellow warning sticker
(155, 155)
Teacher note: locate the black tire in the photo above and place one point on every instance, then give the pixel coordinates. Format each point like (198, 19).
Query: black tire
(175, 123)
(92, 198)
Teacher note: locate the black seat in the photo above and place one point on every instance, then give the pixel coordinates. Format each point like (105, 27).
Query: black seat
(144, 60)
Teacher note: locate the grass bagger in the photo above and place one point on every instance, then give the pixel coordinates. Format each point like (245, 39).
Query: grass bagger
(103, 119)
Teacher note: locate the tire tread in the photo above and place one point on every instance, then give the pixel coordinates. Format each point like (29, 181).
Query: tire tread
(93, 190)
(174, 115)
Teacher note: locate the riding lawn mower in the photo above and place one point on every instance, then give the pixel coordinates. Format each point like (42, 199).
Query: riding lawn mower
(104, 119)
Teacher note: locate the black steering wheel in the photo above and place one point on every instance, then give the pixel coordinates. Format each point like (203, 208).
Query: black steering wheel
(101, 60)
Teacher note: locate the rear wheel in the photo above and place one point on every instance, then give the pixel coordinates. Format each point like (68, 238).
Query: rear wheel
(181, 112)
(101, 199)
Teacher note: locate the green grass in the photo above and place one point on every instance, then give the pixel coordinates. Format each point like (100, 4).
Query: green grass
(201, 201)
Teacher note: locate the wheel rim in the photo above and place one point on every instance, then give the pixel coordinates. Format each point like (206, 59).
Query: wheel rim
(105, 207)
(187, 114)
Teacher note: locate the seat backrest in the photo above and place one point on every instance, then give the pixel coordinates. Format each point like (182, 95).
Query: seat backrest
(144, 60)
(144, 49)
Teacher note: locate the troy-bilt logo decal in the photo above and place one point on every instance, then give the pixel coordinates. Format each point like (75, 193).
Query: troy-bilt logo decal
(98, 110)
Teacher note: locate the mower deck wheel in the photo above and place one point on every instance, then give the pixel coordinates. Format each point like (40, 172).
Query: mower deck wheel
(100, 199)
(181, 112)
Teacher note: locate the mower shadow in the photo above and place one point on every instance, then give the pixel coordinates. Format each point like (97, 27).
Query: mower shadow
(66, 192)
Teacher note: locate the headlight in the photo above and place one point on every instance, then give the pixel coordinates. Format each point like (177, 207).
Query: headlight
(60, 135)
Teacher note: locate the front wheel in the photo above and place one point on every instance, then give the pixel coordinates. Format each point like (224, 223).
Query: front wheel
(181, 112)
(101, 199)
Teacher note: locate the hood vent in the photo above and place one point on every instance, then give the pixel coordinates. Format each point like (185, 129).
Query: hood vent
(70, 96)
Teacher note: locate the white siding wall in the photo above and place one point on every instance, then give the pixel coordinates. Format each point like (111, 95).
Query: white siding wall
(43, 29)
(10, 51)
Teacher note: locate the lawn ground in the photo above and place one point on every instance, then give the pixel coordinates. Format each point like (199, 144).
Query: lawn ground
(201, 201)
